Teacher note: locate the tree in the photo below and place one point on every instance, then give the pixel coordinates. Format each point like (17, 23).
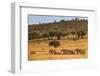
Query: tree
(35, 35)
(46, 35)
(80, 34)
(39, 23)
(55, 21)
(73, 33)
(57, 34)
(62, 21)
(30, 36)
(51, 34)
(76, 19)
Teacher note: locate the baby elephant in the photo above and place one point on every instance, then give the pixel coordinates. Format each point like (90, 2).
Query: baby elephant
(66, 51)
(55, 52)
(80, 51)
(52, 51)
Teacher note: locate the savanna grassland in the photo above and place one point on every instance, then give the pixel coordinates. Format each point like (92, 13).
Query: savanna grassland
(58, 40)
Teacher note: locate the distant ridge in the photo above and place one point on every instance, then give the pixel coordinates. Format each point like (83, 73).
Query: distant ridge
(65, 26)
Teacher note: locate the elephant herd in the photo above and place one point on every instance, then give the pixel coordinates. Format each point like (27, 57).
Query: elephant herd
(67, 52)
(61, 52)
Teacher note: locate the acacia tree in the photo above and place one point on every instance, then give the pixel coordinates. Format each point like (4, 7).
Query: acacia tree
(33, 35)
(73, 33)
(46, 35)
(62, 21)
(80, 34)
(30, 36)
(57, 34)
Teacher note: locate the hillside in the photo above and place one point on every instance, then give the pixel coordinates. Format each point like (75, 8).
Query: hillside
(67, 26)
(62, 28)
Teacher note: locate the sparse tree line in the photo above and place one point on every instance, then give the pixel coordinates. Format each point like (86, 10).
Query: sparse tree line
(58, 35)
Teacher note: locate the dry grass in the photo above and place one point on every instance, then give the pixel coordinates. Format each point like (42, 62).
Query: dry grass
(42, 48)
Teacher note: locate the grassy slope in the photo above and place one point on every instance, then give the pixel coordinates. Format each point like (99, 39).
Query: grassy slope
(67, 44)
